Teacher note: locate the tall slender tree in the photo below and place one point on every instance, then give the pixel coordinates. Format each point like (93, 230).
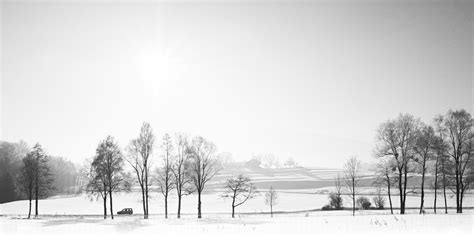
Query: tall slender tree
(384, 176)
(165, 174)
(424, 152)
(43, 177)
(181, 170)
(139, 157)
(204, 166)
(352, 178)
(27, 177)
(97, 186)
(271, 199)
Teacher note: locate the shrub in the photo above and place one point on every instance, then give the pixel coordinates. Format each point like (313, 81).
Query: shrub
(364, 203)
(326, 208)
(379, 202)
(335, 201)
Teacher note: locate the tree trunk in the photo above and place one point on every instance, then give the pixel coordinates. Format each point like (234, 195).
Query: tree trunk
(146, 192)
(422, 189)
(271, 210)
(143, 202)
(166, 206)
(405, 183)
(29, 211)
(353, 205)
(105, 206)
(353, 196)
(111, 206)
(199, 204)
(36, 197)
(444, 189)
(400, 189)
(457, 187)
(233, 205)
(390, 198)
(179, 206)
(435, 185)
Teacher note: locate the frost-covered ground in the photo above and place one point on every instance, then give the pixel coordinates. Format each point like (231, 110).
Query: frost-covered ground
(298, 224)
(289, 200)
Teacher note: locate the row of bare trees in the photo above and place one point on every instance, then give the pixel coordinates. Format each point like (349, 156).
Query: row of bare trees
(186, 166)
(444, 150)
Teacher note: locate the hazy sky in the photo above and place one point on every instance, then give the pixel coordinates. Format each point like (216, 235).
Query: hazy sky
(310, 80)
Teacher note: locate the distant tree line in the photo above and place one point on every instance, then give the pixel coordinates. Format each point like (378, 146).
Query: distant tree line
(50, 175)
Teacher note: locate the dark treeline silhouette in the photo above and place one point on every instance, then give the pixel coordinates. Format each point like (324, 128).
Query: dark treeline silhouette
(406, 145)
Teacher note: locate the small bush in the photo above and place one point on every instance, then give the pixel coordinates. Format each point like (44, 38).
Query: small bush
(335, 201)
(364, 203)
(326, 208)
(379, 202)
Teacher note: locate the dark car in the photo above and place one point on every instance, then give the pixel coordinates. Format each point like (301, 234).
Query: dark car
(125, 211)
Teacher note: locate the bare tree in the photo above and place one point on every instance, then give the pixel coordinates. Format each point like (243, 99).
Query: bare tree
(139, 154)
(379, 200)
(204, 165)
(396, 139)
(108, 167)
(43, 177)
(384, 176)
(442, 157)
(181, 169)
(165, 174)
(271, 199)
(97, 186)
(240, 189)
(424, 153)
(336, 196)
(351, 177)
(27, 178)
(457, 126)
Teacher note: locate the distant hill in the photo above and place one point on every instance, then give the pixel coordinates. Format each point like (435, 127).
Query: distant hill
(280, 178)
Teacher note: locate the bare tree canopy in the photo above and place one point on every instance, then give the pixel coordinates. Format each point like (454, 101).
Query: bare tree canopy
(456, 126)
(271, 199)
(385, 170)
(108, 169)
(351, 177)
(335, 197)
(165, 173)
(396, 139)
(423, 153)
(181, 169)
(240, 189)
(27, 178)
(203, 166)
(43, 177)
(139, 154)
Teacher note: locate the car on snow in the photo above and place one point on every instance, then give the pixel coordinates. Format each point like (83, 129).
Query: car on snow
(125, 211)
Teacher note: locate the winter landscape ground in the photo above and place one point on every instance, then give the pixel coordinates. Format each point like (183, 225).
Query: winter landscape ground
(298, 212)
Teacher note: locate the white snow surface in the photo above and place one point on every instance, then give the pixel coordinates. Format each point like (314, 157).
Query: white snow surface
(298, 224)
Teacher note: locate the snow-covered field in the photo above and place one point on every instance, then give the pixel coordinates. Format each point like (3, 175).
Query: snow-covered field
(301, 224)
(289, 200)
(78, 215)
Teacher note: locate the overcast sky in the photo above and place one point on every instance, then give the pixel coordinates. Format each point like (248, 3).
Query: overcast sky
(310, 80)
